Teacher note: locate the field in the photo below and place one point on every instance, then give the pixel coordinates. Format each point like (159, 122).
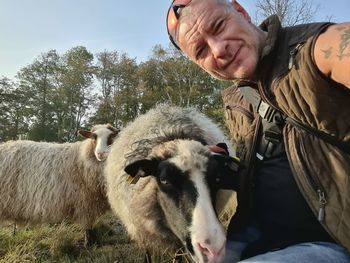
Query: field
(64, 243)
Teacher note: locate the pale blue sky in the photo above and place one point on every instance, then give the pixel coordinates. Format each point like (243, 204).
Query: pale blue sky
(31, 27)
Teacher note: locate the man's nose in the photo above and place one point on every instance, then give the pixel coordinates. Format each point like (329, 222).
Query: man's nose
(218, 48)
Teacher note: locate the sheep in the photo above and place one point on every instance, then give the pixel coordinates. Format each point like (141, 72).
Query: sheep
(161, 174)
(44, 182)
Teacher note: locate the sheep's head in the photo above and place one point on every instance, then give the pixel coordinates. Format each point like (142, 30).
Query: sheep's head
(102, 137)
(186, 177)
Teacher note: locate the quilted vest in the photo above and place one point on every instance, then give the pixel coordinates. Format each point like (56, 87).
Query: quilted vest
(290, 82)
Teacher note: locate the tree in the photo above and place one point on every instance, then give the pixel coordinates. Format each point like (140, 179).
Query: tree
(290, 12)
(106, 71)
(74, 96)
(169, 76)
(37, 81)
(118, 77)
(13, 111)
(127, 96)
(58, 91)
(153, 79)
(55, 96)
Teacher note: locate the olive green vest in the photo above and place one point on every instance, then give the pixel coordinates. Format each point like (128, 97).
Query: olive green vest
(290, 82)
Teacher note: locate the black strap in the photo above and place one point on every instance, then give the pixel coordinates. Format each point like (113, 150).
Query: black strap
(322, 135)
(260, 106)
(251, 95)
(271, 143)
(267, 113)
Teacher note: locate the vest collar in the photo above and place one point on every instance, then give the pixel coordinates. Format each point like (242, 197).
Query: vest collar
(272, 26)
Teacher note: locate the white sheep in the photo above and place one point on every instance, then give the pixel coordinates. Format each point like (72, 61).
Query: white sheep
(166, 202)
(44, 182)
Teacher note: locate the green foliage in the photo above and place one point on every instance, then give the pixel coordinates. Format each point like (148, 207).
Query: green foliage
(13, 111)
(169, 76)
(56, 95)
(117, 75)
(75, 92)
(40, 133)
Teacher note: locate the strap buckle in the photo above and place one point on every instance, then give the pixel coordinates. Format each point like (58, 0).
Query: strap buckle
(273, 135)
(266, 111)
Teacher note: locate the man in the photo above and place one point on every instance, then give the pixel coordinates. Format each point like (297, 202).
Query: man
(289, 117)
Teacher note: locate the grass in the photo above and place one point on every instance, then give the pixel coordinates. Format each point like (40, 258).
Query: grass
(64, 243)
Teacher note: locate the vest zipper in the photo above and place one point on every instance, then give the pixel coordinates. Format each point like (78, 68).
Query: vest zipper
(249, 115)
(318, 189)
(255, 141)
(314, 184)
(322, 200)
(245, 193)
(291, 61)
(252, 162)
(264, 98)
(292, 55)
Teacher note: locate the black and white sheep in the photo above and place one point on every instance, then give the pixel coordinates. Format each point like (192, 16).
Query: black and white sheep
(168, 204)
(44, 182)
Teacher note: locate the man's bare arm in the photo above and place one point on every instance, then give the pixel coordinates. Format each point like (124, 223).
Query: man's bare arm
(332, 53)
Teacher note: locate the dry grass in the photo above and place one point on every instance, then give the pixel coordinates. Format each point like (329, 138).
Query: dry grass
(229, 209)
(64, 243)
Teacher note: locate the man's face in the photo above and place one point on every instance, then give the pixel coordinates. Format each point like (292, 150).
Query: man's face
(220, 39)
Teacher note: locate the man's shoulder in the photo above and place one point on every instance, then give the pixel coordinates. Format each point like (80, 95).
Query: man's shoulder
(300, 33)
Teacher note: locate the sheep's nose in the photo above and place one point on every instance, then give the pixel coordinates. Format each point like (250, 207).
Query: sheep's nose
(100, 156)
(213, 253)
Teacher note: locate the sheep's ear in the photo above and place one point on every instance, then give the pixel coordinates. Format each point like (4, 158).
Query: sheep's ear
(114, 130)
(141, 168)
(227, 172)
(223, 146)
(86, 134)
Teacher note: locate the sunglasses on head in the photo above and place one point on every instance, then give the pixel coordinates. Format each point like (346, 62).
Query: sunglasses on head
(173, 18)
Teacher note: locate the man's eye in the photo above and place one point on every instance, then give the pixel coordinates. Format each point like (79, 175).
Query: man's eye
(218, 26)
(200, 52)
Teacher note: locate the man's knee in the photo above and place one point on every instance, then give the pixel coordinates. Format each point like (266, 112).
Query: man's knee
(321, 252)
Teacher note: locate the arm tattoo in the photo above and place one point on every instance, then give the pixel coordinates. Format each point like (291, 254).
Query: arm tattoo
(344, 43)
(327, 53)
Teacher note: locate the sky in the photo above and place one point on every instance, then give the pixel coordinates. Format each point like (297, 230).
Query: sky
(29, 28)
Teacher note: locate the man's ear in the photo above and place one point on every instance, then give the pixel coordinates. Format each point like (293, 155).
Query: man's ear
(241, 10)
(142, 168)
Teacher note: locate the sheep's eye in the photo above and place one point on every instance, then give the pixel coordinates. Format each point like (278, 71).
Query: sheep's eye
(94, 136)
(164, 181)
(111, 139)
(167, 175)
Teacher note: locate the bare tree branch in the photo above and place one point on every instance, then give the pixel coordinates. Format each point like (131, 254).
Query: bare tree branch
(290, 12)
